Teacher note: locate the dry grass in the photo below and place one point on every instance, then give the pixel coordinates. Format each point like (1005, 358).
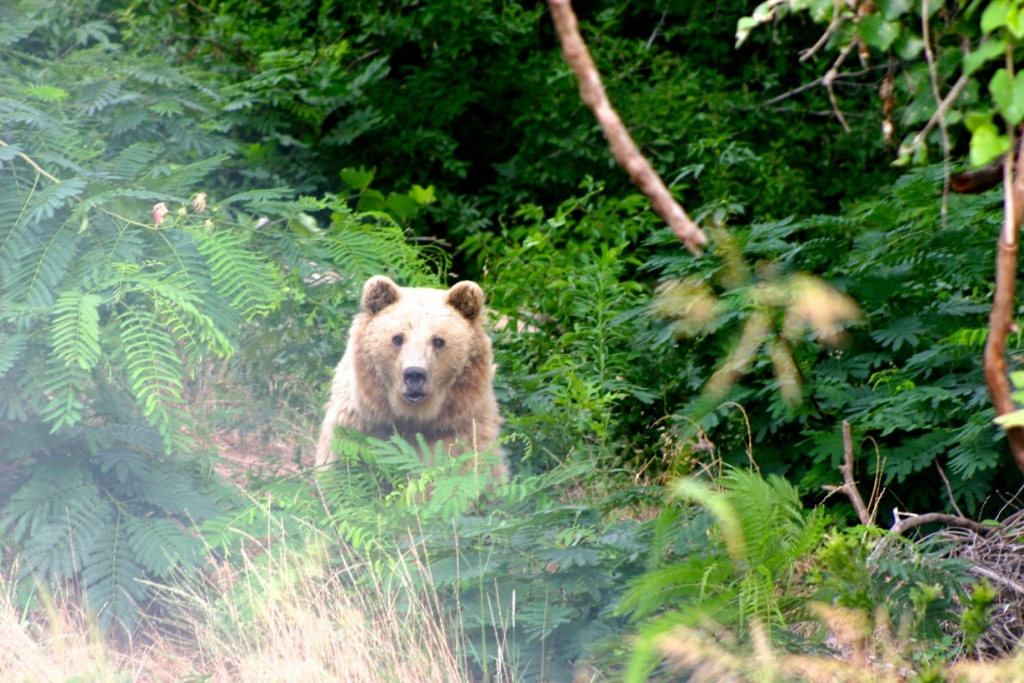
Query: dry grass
(282, 617)
(290, 617)
(61, 643)
(712, 656)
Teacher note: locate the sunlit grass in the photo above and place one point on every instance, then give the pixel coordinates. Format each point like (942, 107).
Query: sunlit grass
(284, 615)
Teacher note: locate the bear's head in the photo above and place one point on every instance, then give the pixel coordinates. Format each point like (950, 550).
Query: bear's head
(425, 347)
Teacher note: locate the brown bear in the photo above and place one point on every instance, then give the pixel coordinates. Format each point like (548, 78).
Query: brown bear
(417, 362)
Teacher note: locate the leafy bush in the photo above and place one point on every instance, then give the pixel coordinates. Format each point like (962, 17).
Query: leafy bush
(121, 276)
(908, 379)
(528, 580)
(475, 98)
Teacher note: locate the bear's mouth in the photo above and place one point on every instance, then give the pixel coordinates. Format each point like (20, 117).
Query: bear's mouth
(414, 396)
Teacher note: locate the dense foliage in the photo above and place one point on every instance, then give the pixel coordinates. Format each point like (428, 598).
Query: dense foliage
(192, 193)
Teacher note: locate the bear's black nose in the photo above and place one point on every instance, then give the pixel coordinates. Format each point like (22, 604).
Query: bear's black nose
(415, 378)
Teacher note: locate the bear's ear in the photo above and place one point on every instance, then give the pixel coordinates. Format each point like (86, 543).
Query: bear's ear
(467, 298)
(379, 292)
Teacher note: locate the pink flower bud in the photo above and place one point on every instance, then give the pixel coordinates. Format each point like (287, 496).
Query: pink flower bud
(199, 202)
(159, 212)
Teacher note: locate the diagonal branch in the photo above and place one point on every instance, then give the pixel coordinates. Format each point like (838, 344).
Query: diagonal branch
(621, 144)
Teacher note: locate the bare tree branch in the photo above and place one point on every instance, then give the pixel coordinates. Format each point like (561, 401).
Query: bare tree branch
(1001, 319)
(621, 144)
(908, 523)
(850, 485)
(998, 578)
(940, 111)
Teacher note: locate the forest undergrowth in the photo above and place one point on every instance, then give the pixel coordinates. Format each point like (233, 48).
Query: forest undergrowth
(776, 461)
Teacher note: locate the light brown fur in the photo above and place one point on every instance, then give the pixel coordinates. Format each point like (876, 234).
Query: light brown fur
(441, 335)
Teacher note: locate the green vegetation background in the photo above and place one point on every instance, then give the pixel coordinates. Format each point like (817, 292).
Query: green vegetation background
(302, 146)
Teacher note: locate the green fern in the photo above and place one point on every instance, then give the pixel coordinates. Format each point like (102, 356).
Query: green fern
(107, 307)
(76, 329)
(763, 531)
(248, 282)
(153, 369)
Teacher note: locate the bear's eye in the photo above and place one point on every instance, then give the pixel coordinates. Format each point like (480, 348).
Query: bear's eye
(397, 340)
(438, 343)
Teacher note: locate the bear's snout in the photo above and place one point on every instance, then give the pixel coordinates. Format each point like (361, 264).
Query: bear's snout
(414, 378)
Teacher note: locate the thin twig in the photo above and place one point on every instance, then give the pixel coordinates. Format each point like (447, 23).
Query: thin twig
(949, 490)
(832, 26)
(657, 27)
(621, 144)
(940, 112)
(850, 485)
(936, 93)
(829, 77)
(816, 82)
(33, 164)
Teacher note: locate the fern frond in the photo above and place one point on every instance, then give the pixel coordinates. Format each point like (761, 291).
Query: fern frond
(177, 495)
(96, 96)
(33, 263)
(177, 179)
(75, 329)
(249, 283)
(11, 348)
(257, 197)
(65, 386)
(133, 160)
(51, 197)
(179, 311)
(57, 515)
(111, 577)
(154, 369)
(160, 544)
(15, 26)
(107, 245)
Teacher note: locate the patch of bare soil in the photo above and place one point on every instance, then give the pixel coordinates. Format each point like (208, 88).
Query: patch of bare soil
(246, 458)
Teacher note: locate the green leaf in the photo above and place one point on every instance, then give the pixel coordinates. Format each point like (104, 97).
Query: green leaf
(357, 179)
(989, 49)
(877, 32)
(892, 9)
(1008, 93)
(743, 28)
(1015, 21)
(995, 15)
(76, 329)
(372, 200)
(402, 207)
(1017, 378)
(977, 119)
(908, 46)
(423, 196)
(987, 144)
(46, 93)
